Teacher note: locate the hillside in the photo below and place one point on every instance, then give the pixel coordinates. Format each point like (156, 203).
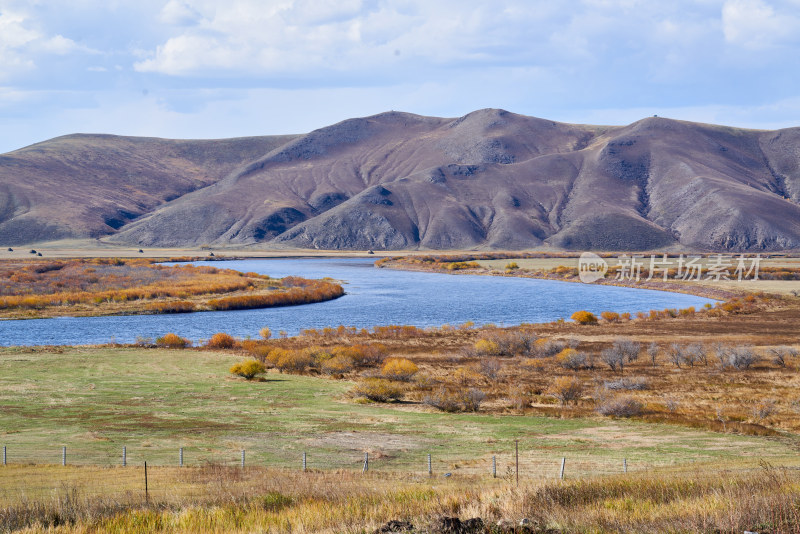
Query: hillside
(490, 179)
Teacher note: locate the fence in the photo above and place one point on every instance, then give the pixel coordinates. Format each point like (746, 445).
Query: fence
(514, 460)
(181, 472)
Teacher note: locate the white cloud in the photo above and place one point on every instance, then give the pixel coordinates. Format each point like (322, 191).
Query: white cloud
(179, 13)
(754, 24)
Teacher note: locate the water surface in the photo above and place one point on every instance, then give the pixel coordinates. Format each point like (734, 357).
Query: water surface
(374, 297)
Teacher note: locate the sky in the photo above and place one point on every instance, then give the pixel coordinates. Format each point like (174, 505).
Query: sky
(213, 69)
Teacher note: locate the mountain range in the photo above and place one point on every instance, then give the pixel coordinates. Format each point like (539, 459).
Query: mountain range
(488, 180)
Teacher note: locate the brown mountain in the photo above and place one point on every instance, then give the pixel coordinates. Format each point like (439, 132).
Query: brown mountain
(490, 179)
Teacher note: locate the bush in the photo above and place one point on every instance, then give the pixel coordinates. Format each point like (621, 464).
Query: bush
(490, 368)
(512, 266)
(179, 306)
(378, 390)
(265, 333)
(609, 316)
(572, 359)
(472, 399)
(519, 398)
(546, 348)
(628, 384)
(172, 341)
(742, 357)
(614, 358)
(337, 365)
(621, 407)
(275, 355)
(567, 389)
(628, 348)
(248, 369)
(294, 361)
(487, 347)
(258, 350)
(221, 340)
(444, 400)
(584, 317)
(399, 369)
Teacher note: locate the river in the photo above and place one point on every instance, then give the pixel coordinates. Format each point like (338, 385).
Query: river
(374, 297)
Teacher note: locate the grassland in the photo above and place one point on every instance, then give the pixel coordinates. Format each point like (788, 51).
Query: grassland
(701, 455)
(153, 401)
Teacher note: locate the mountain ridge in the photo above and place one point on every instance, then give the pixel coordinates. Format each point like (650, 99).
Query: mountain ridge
(490, 179)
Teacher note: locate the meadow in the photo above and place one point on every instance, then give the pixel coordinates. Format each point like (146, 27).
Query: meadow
(669, 420)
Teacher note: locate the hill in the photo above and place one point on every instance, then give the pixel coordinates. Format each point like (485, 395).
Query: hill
(490, 179)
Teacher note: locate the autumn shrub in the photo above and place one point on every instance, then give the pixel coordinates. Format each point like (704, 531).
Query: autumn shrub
(566, 389)
(519, 398)
(627, 384)
(614, 358)
(258, 350)
(514, 343)
(265, 333)
(486, 347)
(275, 355)
(337, 365)
(172, 341)
(175, 306)
(490, 368)
(584, 317)
(609, 316)
(472, 399)
(221, 340)
(399, 369)
(620, 407)
(294, 361)
(741, 357)
(248, 369)
(547, 348)
(512, 266)
(378, 390)
(570, 358)
(444, 400)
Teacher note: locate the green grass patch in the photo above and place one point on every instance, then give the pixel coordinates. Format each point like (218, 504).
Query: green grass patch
(153, 401)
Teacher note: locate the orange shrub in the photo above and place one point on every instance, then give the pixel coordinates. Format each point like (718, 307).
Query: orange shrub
(584, 317)
(172, 341)
(378, 390)
(487, 347)
(399, 369)
(265, 333)
(611, 317)
(566, 389)
(258, 350)
(275, 355)
(248, 369)
(295, 361)
(337, 365)
(221, 340)
(180, 306)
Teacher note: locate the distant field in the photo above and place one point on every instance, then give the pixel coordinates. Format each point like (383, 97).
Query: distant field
(153, 401)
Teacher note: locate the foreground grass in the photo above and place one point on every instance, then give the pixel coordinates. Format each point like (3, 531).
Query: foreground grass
(153, 401)
(729, 498)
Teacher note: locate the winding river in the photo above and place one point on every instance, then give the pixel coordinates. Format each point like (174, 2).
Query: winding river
(374, 297)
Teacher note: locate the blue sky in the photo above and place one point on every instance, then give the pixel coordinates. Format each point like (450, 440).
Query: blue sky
(208, 69)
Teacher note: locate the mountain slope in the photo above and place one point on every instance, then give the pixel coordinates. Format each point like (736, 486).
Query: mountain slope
(92, 185)
(490, 179)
